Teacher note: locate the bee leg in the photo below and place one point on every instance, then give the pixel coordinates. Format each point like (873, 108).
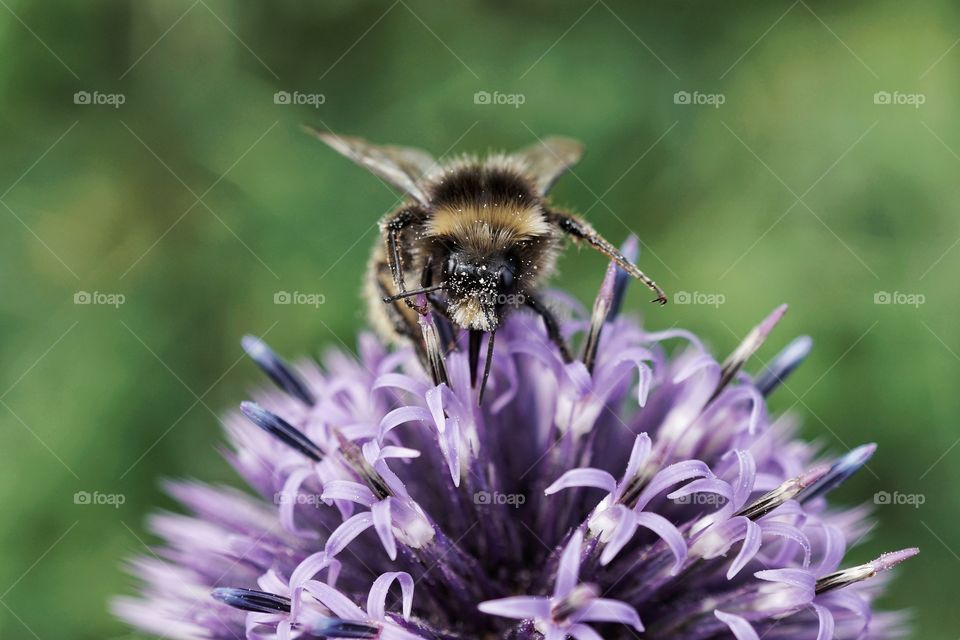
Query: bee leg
(550, 322)
(445, 326)
(436, 333)
(579, 229)
(394, 226)
(403, 324)
(438, 304)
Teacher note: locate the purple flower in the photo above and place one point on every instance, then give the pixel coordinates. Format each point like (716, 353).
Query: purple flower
(642, 489)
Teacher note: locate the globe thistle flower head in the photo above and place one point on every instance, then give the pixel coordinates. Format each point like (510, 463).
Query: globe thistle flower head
(642, 490)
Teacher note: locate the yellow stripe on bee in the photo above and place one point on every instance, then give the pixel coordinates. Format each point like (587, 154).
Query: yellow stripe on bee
(500, 222)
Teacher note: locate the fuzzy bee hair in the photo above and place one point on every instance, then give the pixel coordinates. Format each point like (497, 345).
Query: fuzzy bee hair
(475, 238)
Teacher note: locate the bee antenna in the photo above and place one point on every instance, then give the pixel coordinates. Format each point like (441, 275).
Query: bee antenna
(415, 292)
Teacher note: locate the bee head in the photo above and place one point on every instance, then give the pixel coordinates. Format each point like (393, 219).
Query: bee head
(478, 288)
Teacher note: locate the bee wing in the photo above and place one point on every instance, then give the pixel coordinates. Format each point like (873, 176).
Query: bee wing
(548, 159)
(402, 167)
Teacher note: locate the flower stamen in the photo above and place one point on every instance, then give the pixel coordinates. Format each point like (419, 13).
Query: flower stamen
(840, 470)
(281, 430)
(786, 491)
(608, 301)
(845, 577)
(252, 600)
(277, 369)
(735, 361)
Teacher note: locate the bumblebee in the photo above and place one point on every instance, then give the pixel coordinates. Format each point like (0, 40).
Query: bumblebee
(474, 239)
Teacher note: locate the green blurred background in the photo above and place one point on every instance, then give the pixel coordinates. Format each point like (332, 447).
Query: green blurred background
(198, 199)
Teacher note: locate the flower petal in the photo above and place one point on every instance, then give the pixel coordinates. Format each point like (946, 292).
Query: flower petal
(289, 499)
(669, 476)
(792, 577)
(834, 545)
(792, 589)
(607, 610)
(347, 531)
(377, 598)
(704, 485)
(339, 604)
(435, 404)
(583, 632)
(384, 527)
(746, 475)
(740, 627)
(306, 570)
(617, 524)
(585, 477)
(311, 566)
(669, 533)
(751, 545)
(569, 568)
(638, 455)
(348, 490)
(826, 623)
(518, 607)
(614, 368)
(399, 381)
(852, 602)
(398, 452)
(401, 416)
(791, 533)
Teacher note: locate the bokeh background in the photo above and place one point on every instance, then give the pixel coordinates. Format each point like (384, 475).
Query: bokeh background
(182, 197)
